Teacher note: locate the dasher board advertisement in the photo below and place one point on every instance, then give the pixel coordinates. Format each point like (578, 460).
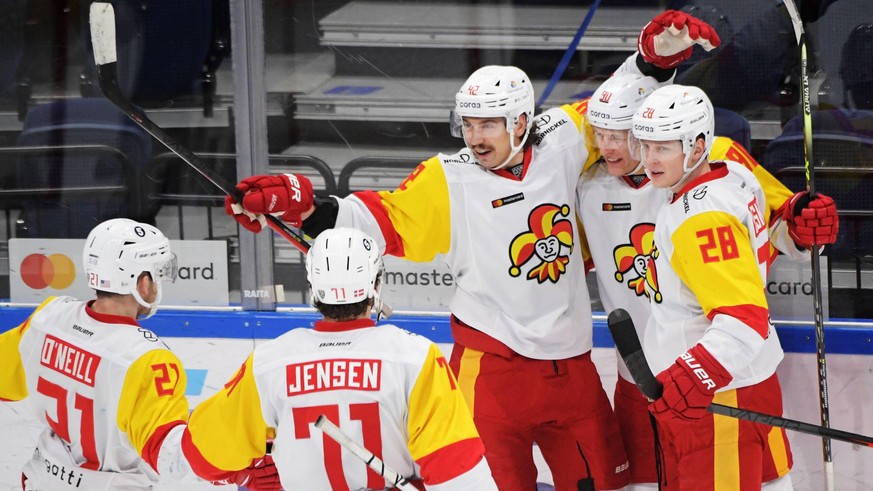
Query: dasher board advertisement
(39, 268)
(790, 289)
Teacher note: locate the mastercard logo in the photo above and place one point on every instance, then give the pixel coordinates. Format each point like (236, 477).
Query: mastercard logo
(39, 271)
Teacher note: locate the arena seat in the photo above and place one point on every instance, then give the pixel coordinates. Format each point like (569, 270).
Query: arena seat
(167, 49)
(843, 157)
(734, 126)
(93, 158)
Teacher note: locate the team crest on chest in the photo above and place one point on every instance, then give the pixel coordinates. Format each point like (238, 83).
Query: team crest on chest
(632, 259)
(547, 242)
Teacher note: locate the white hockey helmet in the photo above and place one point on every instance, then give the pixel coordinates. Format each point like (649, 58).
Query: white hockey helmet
(342, 267)
(495, 91)
(677, 112)
(613, 104)
(118, 251)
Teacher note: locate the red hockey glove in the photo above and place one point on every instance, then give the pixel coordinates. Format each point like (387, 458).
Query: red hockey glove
(262, 475)
(288, 196)
(811, 219)
(689, 385)
(252, 222)
(669, 38)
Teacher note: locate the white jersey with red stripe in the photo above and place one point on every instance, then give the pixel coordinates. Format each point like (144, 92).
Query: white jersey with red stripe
(107, 391)
(386, 388)
(511, 244)
(618, 217)
(707, 274)
(621, 217)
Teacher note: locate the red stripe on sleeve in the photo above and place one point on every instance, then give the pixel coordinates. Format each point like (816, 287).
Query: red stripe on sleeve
(152, 447)
(451, 461)
(754, 316)
(373, 202)
(198, 462)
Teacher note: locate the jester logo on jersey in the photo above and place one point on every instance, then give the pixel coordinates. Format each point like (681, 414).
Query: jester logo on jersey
(633, 261)
(549, 240)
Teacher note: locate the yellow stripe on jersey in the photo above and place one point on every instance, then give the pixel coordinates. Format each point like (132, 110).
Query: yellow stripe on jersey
(236, 409)
(714, 258)
(577, 113)
(418, 212)
(727, 452)
(438, 414)
(153, 395)
(775, 193)
(778, 452)
(13, 384)
(468, 373)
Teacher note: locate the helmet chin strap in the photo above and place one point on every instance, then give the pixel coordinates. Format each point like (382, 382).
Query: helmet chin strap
(512, 154)
(675, 188)
(153, 307)
(637, 170)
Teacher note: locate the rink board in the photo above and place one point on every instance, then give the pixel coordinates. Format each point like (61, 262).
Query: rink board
(213, 345)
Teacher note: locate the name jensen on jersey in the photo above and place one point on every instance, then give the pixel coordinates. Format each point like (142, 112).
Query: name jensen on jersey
(69, 360)
(337, 374)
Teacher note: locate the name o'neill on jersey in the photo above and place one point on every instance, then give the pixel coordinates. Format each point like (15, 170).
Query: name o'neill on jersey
(69, 360)
(323, 375)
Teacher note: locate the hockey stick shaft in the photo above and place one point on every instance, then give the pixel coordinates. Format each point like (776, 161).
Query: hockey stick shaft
(568, 54)
(102, 20)
(818, 310)
(627, 343)
(362, 453)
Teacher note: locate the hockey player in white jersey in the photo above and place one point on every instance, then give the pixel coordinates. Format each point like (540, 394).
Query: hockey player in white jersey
(109, 393)
(709, 337)
(618, 204)
(388, 389)
(501, 212)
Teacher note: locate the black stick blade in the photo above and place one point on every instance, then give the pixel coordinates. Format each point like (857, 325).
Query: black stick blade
(621, 326)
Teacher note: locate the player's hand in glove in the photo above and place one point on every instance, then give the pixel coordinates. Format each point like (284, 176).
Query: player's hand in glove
(288, 196)
(689, 385)
(262, 475)
(669, 38)
(812, 219)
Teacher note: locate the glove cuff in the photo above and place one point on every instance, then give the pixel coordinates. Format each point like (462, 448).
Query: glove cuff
(324, 216)
(656, 72)
(708, 372)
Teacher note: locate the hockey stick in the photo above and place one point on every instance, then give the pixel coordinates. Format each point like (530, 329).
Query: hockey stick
(362, 453)
(818, 315)
(621, 326)
(571, 50)
(102, 20)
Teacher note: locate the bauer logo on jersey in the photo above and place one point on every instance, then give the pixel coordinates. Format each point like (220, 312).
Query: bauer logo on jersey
(546, 244)
(339, 374)
(69, 360)
(632, 259)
